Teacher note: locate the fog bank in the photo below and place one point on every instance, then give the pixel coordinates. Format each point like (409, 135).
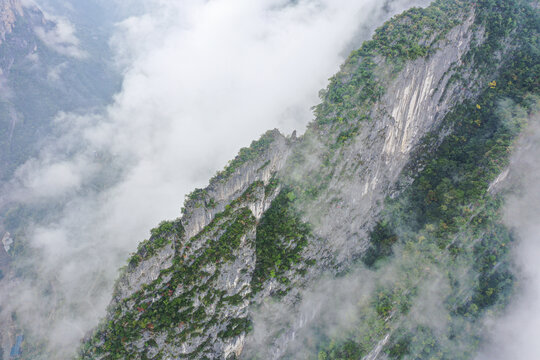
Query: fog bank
(515, 334)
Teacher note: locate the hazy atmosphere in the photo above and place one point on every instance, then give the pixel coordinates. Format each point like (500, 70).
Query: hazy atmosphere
(145, 100)
(514, 335)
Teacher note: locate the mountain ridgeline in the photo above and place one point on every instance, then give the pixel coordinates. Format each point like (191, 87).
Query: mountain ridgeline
(374, 235)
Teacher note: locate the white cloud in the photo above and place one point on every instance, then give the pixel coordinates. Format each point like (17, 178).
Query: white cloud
(515, 335)
(58, 33)
(53, 180)
(55, 73)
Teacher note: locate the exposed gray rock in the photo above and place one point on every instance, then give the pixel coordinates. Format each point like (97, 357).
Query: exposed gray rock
(145, 273)
(366, 170)
(9, 10)
(415, 103)
(197, 215)
(225, 191)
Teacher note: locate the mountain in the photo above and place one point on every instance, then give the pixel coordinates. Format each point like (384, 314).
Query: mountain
(377, 234)
(44, 69)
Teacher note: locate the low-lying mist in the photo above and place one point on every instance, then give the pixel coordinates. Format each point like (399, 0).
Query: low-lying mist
(515, 334)
(201, 79)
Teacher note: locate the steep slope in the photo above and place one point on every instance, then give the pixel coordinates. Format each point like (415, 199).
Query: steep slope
(387, 187)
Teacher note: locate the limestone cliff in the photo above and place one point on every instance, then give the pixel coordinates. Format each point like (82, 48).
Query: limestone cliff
(359, 192)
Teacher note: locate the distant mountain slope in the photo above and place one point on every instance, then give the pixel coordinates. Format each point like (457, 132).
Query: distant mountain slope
(9, 10)
(44, 69)
(42, 73)
(372, 236)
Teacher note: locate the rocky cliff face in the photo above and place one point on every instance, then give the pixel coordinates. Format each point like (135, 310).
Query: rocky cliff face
(9, 10)
(17, 39)
(288, 212)
(244, 184)
(415, 102)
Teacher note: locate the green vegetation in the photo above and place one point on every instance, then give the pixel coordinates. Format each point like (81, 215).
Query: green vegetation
(199, 197)
(269, 189)
(161, 236)
(351, 93)
(345, 136)
(401, 342)
(446, 222)
(382, 238)
(197, 194)
(168, 303)
(281, 237)
(235, 327)
(415, 33)
(256, 148)
(504, 20)
(347, 350)
(360, 82)
(309, 181)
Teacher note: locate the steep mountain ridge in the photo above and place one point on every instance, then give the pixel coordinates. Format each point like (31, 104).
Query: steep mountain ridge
(415, 102)
(203, 205)
(357, 192)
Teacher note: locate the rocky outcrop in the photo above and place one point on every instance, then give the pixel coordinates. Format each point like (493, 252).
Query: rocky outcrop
(415, 103)
(421, 96)
(205, 260)
(223, 191)
(201, 209)
(9, 10)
